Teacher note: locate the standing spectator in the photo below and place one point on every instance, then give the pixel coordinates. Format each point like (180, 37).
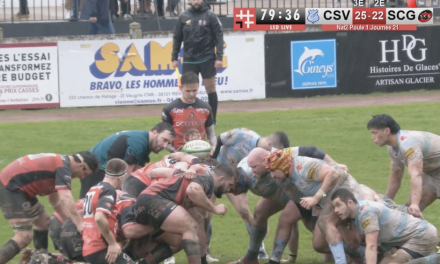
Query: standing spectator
(98, 13)
(201, 31)
(24, 10)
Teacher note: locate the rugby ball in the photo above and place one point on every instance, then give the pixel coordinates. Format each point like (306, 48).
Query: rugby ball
(198, 148)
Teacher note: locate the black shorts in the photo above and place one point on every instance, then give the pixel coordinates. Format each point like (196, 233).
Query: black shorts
(152, 210)
(90, 181)
(55, 232)
(71, 241)
(206, 69)
(303, 211)
(133, 186)
(17, 205)
(99, 258)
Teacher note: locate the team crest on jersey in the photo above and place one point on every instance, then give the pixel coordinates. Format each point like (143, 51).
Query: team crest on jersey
(402, 138)
(362, 208)
(298, 167)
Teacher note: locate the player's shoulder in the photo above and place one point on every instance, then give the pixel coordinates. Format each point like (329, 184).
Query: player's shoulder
(176, 104)
(201, 104)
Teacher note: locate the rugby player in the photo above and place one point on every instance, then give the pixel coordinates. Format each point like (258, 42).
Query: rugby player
(164, 204)
(419, 151)
(43, 174)
(139, 180)
(254, 177)
(133, 146)
(99, 236)
(65, 238)
(315, 179)
(412, 237)
(232, 147)
(190, 117)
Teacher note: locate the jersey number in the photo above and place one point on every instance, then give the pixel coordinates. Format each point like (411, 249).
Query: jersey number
(88, 205)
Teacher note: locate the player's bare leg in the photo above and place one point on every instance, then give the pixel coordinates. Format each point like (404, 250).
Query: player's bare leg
(22, 234)
(264, 209)
(180, 222)
(288, 218)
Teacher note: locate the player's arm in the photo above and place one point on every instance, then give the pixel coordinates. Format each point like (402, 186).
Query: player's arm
(163, 173)
(371, 248)
(55, 202)
(185, 157)
(166, 116)
(217, 32)
(210, 132)
(414, 158)
(106, 201)
(177, 40)
(324, 173)
(196, 193)
(396, 176)
(63, 178)
(241, 205)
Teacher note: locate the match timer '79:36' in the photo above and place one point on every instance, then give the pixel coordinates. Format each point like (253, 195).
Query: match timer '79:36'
(274, 16)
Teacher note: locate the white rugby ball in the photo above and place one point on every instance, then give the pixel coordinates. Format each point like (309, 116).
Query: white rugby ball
(198, 148)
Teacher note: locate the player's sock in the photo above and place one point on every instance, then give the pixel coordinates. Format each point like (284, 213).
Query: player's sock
(357, 253)
(203, 260)
(213, 102)
(278, 249)
(160, 253)
(192, 251)
(338, 252)
(257, 234)
(9, 251)
(41, 239)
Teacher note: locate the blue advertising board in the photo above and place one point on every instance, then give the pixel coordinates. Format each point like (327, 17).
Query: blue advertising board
(313, 64)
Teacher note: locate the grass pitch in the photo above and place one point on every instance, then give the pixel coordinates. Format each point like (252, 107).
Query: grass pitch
(341, 132)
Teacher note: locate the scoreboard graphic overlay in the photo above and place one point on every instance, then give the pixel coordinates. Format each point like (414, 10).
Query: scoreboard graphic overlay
(335, 19)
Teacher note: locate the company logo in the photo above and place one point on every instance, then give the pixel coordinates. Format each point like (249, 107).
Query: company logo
(313, 16)
(111, 59)
(425, 16)
(409, 44)
(313, 64)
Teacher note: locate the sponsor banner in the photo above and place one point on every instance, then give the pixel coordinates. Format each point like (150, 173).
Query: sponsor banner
(395, 61)
(135, 72)
(313, 64)
(28, 75)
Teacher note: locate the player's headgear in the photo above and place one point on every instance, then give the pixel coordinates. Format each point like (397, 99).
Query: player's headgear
(279, 160)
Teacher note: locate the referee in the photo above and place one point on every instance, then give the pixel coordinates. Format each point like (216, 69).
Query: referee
(201, 31)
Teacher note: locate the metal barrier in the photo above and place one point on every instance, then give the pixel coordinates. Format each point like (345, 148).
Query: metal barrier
(22, 11)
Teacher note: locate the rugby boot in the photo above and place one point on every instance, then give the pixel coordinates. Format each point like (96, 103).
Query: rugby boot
(26, 255)
(262, 254)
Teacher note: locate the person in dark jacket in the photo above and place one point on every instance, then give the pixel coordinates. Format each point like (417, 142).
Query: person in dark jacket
(98, 13)
(201, 31)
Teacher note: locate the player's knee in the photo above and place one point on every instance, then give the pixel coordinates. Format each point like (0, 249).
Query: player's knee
(23, 233)
(42, 221)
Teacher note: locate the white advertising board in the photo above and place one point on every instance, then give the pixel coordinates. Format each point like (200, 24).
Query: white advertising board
(134, 72)
(28, 75)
